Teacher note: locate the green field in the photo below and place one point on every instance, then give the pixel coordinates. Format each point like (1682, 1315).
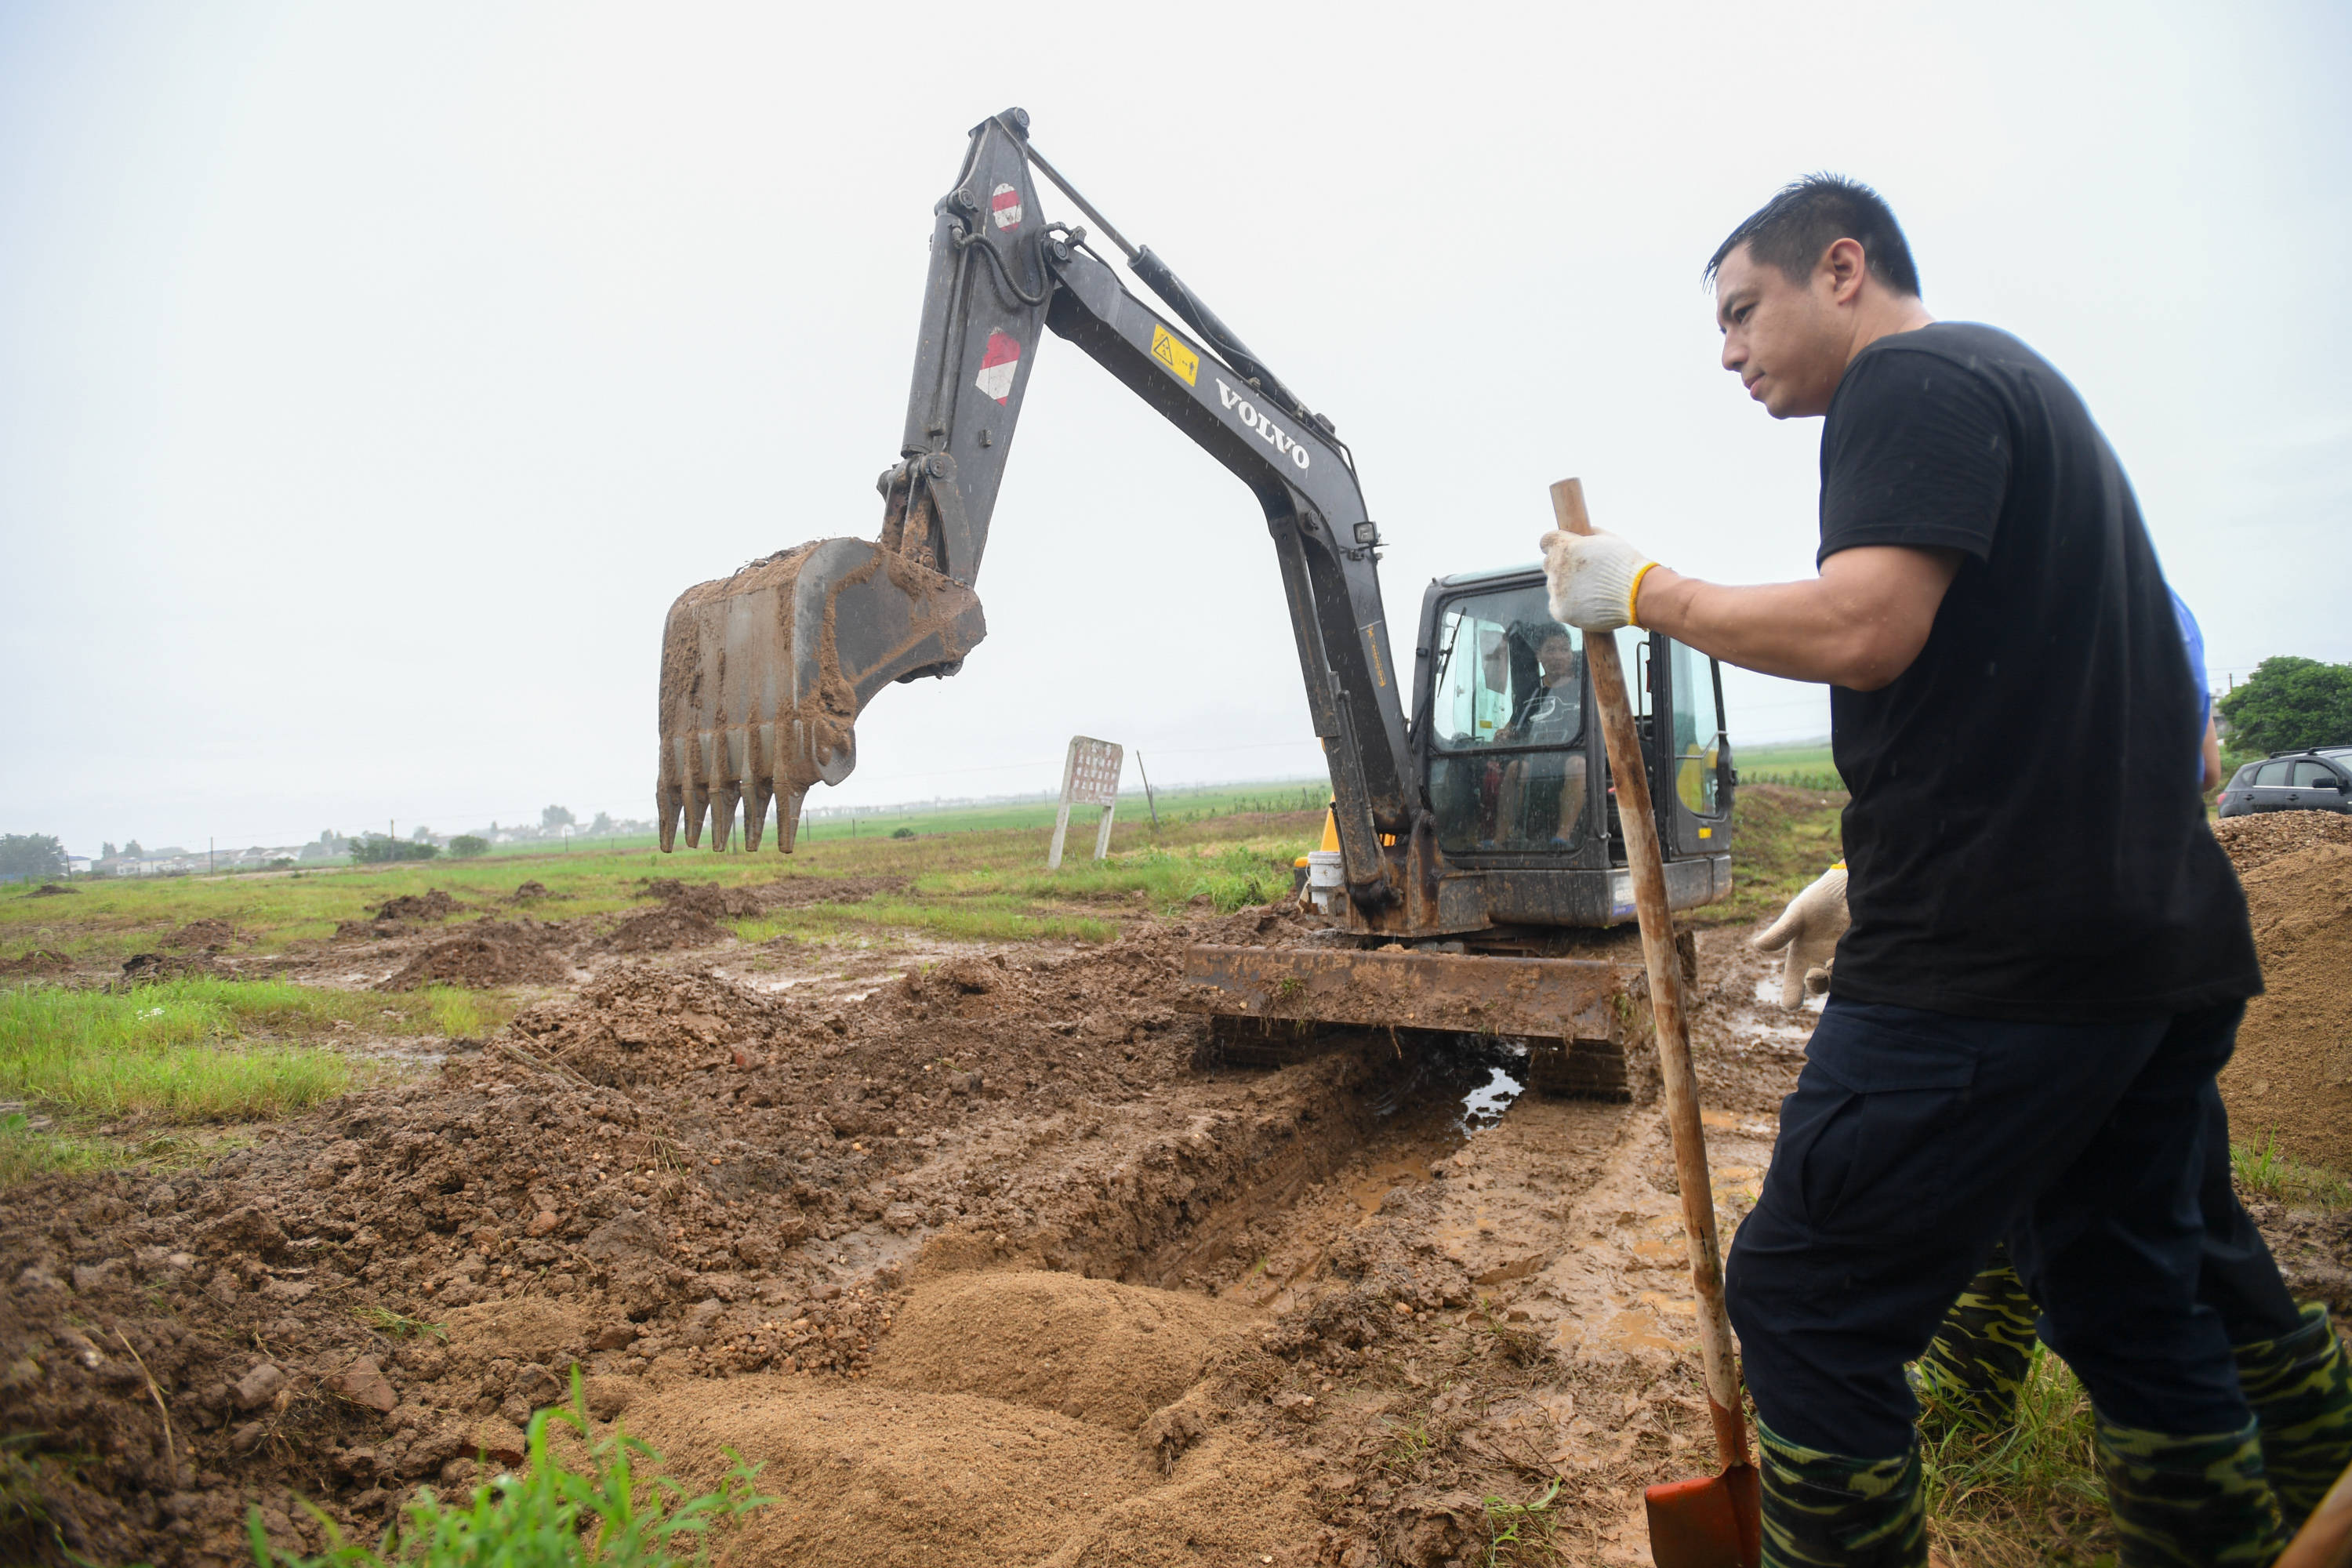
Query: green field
(1803, 765)
(975, 874)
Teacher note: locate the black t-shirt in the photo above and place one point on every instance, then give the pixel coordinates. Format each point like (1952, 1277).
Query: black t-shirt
(2024, 841)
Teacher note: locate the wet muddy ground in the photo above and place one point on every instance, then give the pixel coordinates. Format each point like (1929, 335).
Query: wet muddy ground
(986, 1252)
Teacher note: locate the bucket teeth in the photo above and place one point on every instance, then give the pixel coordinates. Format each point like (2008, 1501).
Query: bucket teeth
(755, 819)
(758, 697)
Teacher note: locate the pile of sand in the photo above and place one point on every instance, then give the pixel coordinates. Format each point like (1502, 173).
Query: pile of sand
(1107, 1354)
(999, 1425)
(2291, 1076)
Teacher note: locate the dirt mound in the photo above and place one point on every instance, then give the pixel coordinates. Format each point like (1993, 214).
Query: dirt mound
(533, 888)
(636, 1022)
(433, 904)
(212, 935)
(369, 930)
(786, 893)
(798, 892)
(1105, 1353)
(2256, 841)
(146, 966)
(488, 952)
(942, 1481)
(35, 962)
(2291, 1076)
(52, 890)
(674, 925)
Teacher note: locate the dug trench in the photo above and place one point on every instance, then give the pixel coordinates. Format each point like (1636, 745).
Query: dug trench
(994, 1259)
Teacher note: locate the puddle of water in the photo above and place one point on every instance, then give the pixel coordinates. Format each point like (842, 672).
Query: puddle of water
(1767, 994)
(1483, 1106)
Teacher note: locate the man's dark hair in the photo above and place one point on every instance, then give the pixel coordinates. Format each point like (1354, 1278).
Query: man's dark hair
(1792, 230)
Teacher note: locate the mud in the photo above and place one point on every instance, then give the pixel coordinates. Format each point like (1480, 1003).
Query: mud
(52, 890)
(990, 1257)
(36, 962)
(2291, 1079)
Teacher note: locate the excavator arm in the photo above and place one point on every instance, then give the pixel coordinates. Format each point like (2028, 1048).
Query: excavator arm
(764, 673)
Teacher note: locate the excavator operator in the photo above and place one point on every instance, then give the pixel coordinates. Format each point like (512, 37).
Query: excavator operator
(2047, 961)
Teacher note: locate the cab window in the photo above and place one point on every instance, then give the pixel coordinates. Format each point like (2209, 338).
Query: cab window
(1697, 733)
(1506, 767)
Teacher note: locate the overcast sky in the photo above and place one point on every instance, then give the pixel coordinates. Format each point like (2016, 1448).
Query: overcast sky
(372, 377)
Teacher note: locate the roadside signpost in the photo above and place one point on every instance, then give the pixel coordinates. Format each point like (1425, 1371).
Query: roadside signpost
(1091, 777)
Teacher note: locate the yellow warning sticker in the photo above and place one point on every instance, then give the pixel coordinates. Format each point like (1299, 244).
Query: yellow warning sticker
(1170, 350)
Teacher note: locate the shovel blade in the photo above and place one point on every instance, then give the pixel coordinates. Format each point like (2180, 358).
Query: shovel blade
(1714, 1521)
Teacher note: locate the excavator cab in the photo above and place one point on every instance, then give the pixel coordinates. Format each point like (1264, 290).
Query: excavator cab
(1508, 746)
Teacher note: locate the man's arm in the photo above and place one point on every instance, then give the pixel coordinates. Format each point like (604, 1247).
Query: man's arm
(2211, 778)
(1858, 625)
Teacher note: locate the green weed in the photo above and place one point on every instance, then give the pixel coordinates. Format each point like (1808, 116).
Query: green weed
(1409, 1444)
(393, 1325)
(2265, 1172)
(602, 1515)
(2027, 1495)
(1515, 1528)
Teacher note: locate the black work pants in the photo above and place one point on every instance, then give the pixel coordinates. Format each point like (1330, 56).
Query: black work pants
(2238, 1277)
(1914, 1141)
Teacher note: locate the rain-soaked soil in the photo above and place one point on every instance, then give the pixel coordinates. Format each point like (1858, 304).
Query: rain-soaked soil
(989, 1256)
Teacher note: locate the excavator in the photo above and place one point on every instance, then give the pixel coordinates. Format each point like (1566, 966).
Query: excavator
(1480, 847)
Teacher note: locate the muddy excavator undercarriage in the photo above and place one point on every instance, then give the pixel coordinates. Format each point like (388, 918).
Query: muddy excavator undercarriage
(1477, 829)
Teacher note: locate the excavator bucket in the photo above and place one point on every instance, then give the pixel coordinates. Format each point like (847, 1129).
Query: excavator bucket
(763, 675)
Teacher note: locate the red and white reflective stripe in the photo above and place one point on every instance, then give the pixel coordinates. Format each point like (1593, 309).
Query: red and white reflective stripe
(997, 364)
(1004, 207)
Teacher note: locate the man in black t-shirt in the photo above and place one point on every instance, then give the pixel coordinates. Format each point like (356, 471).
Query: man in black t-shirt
(2049, 954)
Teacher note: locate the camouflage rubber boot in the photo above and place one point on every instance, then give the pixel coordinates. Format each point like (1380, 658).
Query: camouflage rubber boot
(2300, 1385)
(1824, 1509)
(2199, 1501)
(1975, 1366)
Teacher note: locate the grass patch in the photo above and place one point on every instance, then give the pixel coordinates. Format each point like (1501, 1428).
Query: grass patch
(174, 1050)
(204, 1049)
(27, 1153)
(603, 1514)
(2030, 1494)
(2265, 1172)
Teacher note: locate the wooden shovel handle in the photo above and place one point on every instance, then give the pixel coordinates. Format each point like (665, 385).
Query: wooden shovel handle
(1644, 858)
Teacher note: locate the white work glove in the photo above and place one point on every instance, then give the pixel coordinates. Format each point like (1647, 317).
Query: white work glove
(1593, 579)
(1809, 929)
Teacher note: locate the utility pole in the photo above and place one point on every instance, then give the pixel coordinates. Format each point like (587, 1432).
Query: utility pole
(1148, 802)
(208, 854)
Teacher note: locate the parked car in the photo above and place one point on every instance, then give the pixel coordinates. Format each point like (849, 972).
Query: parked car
(2317, 778)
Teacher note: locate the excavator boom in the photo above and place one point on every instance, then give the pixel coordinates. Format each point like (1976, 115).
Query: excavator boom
(765, 673)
